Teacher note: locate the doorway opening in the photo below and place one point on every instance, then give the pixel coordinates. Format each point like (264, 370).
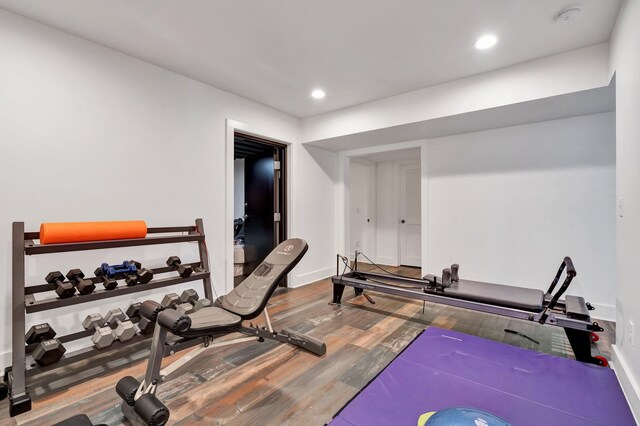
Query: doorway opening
(260, 216)
(385, 207)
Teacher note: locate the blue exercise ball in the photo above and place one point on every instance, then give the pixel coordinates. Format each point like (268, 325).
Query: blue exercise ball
(461, 417)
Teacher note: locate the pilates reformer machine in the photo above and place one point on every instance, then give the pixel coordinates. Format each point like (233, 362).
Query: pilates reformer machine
(570, 313)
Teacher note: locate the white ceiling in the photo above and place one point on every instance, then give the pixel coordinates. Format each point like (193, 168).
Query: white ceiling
(275, 52)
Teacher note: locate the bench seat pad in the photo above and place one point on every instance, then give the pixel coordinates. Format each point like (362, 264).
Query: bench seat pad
(213, 318)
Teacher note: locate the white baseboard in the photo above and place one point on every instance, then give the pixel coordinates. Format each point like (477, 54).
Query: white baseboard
(387, 260)
(604, 312)
(630, 386)
(313, 276)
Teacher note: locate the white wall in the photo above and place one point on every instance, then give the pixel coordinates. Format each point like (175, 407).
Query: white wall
(312, 209)
(508, 205)
(625, 61)
(79, 121)
(238, 188)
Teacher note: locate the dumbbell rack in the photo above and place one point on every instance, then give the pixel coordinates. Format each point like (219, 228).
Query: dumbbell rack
(24, 301)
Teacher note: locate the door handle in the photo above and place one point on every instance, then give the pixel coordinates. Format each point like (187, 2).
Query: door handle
(402, 221)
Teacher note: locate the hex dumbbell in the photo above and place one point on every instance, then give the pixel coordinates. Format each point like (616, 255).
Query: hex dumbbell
(144, 275)
(191, 296)
(125, 329)
(39, 332)
(145, 325)
(108, 283)
(104, 336)
(49, 350)
(130, 279)
(133, 311)
(188, 298)
(183, 270)
(76, 276)
(171, 300)
(63, 289)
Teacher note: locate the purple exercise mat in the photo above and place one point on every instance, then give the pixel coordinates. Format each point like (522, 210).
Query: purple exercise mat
(443, 369)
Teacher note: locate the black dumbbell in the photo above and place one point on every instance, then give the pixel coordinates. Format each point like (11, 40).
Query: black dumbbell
(39, 332)
(183, 270)
(63, 289)
(49, 350)
(133, 311)
(144, 275)
(76, 276)
(108, 283)
(145, 325)
(130, 279)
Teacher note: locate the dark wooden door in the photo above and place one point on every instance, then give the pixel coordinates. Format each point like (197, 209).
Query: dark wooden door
(259, 227)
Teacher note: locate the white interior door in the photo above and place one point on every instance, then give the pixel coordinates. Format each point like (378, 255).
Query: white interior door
(410, 223)
(360, 205)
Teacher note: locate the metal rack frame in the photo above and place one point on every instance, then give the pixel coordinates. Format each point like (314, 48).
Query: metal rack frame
(24, 301)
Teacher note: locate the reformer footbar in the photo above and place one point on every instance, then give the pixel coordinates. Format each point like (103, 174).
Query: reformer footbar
(245, 302)
(571, 313)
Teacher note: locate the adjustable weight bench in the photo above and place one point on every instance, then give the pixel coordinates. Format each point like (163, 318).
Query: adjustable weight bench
(571, 313)
(245, 302)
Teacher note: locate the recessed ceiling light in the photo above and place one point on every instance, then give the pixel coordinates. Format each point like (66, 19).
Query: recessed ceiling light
(486, 41)
(318, 94)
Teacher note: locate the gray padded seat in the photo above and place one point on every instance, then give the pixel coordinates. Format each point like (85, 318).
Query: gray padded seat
(250, 297)
(213, 317)
(496, 294)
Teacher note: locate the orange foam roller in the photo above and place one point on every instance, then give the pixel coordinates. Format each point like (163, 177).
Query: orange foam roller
(75, 232)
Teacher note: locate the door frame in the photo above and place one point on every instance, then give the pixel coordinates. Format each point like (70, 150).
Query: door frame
(342, 194)
(233, 126)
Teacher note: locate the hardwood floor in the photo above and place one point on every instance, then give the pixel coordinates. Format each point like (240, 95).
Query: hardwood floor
(271, 383)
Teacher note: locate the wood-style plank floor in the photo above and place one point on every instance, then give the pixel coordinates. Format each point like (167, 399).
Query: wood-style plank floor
(271, 383)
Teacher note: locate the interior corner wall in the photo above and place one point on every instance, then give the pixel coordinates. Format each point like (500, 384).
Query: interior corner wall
(625, 62)
(313, 211)
(508, 204)
(89, 134)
